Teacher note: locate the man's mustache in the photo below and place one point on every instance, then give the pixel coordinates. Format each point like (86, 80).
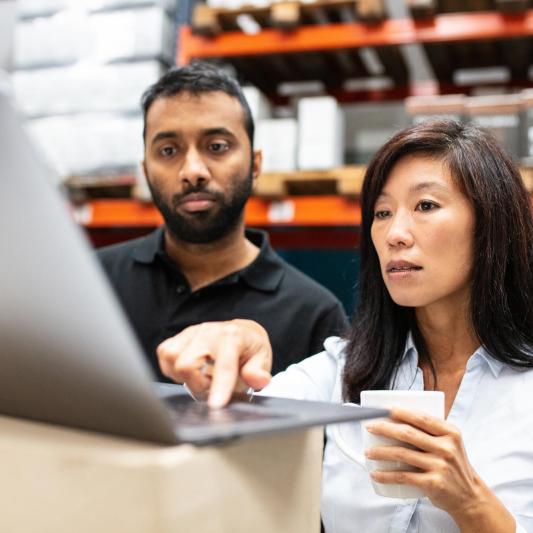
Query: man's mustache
(198, 192)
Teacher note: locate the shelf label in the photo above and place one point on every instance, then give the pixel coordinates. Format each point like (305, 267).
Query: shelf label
(281, 211)
(82, 214)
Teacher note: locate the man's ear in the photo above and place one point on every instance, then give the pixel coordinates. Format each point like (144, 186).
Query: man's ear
(257, 163)
(143, 166)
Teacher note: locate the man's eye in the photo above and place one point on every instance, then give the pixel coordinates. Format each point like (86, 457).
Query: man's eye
(167, 151)
(218, 147)
(382, 214)
(426, 205)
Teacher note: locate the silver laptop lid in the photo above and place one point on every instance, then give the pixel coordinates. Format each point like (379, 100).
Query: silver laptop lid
(67, 353)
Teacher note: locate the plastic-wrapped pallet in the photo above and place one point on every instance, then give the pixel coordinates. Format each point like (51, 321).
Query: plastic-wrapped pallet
(321, 133)
(82, 66)
(39, 8)
(56, 91)
(90, 143)
(74, 35)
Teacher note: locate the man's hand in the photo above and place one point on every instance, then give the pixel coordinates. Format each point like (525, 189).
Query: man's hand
(211, 357)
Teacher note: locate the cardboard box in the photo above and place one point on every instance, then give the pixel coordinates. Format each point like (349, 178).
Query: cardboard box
(278, 139)
(58, 480)
(321, 133)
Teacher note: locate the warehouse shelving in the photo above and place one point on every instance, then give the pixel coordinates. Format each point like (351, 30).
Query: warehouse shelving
(325, 213)
(280, 53)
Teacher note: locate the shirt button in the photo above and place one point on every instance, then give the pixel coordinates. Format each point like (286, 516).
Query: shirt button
(181, 289)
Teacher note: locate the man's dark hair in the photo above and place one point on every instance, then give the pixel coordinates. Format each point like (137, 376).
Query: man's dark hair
(501, 307)
(197, 78)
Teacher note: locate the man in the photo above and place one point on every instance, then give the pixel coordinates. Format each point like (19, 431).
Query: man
(202, 265)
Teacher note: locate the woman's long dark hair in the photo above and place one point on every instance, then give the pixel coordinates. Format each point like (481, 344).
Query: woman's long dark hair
(502, 274)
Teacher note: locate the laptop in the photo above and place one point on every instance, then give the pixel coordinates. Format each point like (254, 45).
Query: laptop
(68, 355)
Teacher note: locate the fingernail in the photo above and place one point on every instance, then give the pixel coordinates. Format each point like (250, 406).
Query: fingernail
(370, 428)
(216, 401)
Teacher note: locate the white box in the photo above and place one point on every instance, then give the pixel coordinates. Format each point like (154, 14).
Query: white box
(89, 143)
(321, 133)
(58, 40)
(259, 105)
(58, 480)
(73, 35)
(145, 33)
(277, 138)
(82, 88)
(38, 8)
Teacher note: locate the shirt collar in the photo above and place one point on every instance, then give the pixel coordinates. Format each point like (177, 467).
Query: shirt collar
(410, 358)
(150, 246)
(264, 273)
(266, 270)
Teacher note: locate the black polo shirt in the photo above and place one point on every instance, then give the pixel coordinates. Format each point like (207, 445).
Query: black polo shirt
(297, 312)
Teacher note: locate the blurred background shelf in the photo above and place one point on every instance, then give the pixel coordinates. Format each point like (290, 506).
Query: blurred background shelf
(330, 51)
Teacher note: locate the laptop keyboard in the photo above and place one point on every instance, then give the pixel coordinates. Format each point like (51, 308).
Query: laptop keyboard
(199, 414)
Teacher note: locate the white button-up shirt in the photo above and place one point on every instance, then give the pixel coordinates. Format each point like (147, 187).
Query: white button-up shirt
(493, 410)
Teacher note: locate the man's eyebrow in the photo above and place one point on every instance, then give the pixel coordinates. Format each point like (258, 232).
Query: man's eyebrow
(164, 135)
(217, 131)
(205, 133)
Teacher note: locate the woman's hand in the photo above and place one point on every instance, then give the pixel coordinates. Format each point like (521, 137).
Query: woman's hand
(210, 358)
(445, 474)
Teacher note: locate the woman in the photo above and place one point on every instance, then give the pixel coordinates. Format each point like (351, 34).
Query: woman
(446, 304)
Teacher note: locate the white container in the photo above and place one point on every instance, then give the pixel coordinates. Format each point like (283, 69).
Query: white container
(84, 88)
(277, 138)
(89, 143)
(258, 103)
(321, 133)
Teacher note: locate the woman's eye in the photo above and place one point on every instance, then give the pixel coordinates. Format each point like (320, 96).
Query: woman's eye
(218, 147)
(381, 214)
(426, 205)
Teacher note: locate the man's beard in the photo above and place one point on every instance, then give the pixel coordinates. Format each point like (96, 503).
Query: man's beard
(205, 227)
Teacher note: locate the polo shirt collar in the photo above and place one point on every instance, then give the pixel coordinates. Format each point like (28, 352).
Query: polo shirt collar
(266, 270)
(264, 273)
(150, 246)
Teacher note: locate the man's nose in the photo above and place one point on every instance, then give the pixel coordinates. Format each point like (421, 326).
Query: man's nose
(400, 230)
(193, 170)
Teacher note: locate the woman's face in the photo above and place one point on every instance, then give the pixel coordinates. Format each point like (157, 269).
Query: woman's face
(423, 230)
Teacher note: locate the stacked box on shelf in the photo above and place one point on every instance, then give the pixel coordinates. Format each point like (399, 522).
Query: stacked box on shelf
(527, 127)
(321, 133)
(501, 115)
(275, 137)
(450, 106)
(80, 73)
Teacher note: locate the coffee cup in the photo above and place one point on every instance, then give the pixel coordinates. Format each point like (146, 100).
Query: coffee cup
(430, 402)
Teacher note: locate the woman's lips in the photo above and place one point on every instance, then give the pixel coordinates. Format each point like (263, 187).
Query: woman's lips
(402, 269)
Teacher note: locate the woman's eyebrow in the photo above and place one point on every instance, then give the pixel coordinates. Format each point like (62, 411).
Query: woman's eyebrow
(428, 185)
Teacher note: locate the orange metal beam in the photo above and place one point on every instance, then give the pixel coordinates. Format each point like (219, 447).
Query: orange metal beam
(295, 211)
(442, 28)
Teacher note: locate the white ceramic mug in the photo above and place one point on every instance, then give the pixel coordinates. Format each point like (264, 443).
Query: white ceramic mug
(430, 402)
